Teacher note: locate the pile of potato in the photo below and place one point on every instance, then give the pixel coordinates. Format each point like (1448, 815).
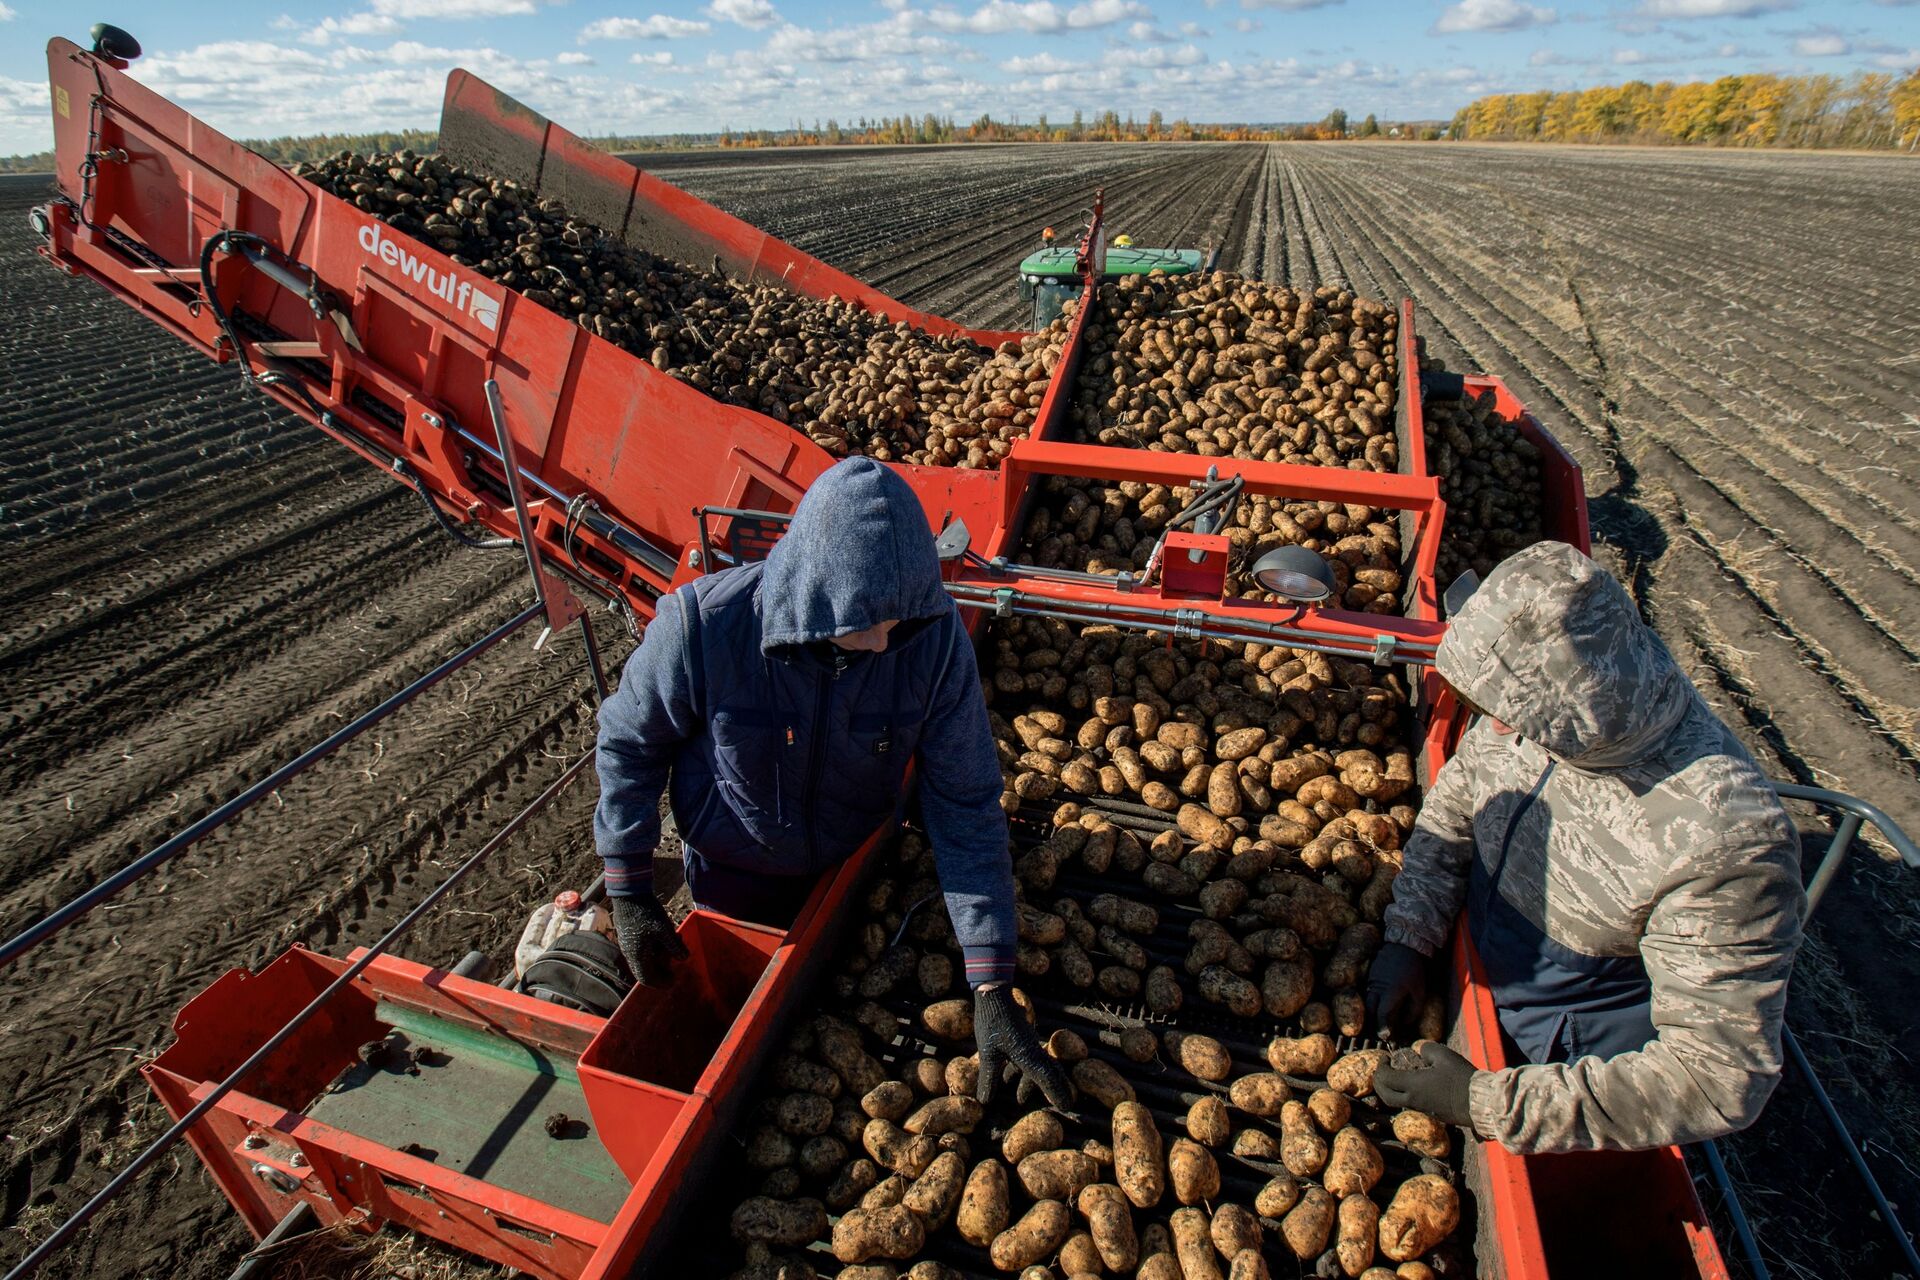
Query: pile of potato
(1225, 366)
(851, 380)
(1489, 478)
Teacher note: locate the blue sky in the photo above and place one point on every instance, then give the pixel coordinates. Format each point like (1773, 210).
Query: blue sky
(655, 66)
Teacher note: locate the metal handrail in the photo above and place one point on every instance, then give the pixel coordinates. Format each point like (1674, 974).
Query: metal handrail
(1856, 812)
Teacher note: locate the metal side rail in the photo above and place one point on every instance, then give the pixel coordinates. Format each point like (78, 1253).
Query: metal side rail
(1854, 813)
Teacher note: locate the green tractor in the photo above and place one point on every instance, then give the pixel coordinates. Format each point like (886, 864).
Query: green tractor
(1051, 275)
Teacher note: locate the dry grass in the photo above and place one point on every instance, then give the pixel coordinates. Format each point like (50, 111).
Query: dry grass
(341, 1253)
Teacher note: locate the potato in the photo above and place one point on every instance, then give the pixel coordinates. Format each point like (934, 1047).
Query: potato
(1255, 1144)
(1110, 1223)
(927, 1076)
(889, 1100)
(894, 1148)
(1057, 1175)
(963, 1076)
(1099, 1152)
(1124, 914)
(1208, 1123)
(1330, 1109)
(788, 1223)
(894, 964)
(1307, 1056)
(1138, 1043)
(821, 1157)
(1279, 1195)
(1035, 1131)
(1222, 986)
(1286, 986)
(1247, 1265)
(1137, 1151)
(984, 1208)
(1235, 1231)
(892, 1232)
(1422, 1134)
(950, 1114)
(1354, 1166)
(799, 1074)
(934, 1193)
(1202, 826)
(1302, 1149)
(949, 1019)
(1193, 1244)
(1423, 1212)
(1040, 1231)
(839, 1046)
(1199, 1055)
(1101, 1082)
(768, 1148)
(865, 1271)
(1353, 1074)
(1162, 991)
(890, 1190)
(1192, 1172)
(1309, 1223)
(1347, 966)
(1358, 1227)
(1261, 1093)
(855, 1179)
(1315, 1018)
(934, 976)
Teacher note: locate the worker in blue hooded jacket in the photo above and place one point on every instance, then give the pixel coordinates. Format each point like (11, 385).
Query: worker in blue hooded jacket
(785, 699)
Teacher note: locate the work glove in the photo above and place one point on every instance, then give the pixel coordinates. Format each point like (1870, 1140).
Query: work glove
(1396, 990)
(1436, 1083)
(1004, 1036)
(647, 938)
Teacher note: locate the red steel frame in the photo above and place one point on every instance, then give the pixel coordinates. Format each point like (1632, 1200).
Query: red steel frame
(589, 420)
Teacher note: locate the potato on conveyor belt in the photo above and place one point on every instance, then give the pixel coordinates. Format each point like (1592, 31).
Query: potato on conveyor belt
(1424, 1210)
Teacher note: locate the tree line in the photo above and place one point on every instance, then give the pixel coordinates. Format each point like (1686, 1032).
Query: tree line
(1872, 110)
(1104, 126)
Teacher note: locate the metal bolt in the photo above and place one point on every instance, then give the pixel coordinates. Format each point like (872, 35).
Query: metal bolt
(299, 1161)
(431, 419)
(254, 1142)
(695, 559)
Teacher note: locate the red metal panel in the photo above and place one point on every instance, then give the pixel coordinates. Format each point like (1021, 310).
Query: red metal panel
(1411, 417)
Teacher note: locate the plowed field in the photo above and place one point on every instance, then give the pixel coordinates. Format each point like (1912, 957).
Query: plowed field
(198, 585)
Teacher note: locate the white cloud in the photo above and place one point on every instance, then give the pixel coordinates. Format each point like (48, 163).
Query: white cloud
(1246, 26)
(1194, 31)
(405, 9)
(1712, 8)
(746, 13)
(996, 17)
(1550, 58)
(574, 58)
(1898, 60)
(1146, 31)
(1040, 64)
(1628, 57)
(6, 13)
(1821, 45)
(657, 27)
(873, 42)
(354, 24)
(1493, 15)
(1155, 58)
(1290, 5)
(660, 59)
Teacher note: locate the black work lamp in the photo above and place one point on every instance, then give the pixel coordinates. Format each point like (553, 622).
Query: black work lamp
(1295, 573)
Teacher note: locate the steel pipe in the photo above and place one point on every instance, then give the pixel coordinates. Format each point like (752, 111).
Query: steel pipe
(1730, 1199)
(33, 935)
(159, 1147)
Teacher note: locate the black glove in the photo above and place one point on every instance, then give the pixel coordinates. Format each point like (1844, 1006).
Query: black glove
(647, 938)
(1437, 1085)
(1396, 989)
(1003, 1034)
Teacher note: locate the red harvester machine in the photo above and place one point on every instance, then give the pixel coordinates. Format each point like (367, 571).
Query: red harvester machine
(622, 482)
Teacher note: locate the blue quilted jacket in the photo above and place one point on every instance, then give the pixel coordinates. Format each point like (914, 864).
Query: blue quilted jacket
(784, 753)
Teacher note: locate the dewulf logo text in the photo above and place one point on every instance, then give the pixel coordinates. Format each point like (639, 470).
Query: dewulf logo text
(482, 307)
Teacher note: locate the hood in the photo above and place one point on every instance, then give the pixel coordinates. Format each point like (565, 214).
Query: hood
(859, 552)
(1552, 645)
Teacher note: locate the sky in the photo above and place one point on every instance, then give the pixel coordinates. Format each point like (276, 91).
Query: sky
(663, 66)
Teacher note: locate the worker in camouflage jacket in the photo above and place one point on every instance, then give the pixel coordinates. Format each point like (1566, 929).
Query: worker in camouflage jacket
(1630, 880)
(779, 704)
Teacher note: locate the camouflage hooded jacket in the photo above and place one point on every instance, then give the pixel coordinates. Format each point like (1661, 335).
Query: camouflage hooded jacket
(1627, 821)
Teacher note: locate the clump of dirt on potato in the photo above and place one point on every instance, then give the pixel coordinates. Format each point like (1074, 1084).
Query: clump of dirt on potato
(1224, 366)
(853, 381)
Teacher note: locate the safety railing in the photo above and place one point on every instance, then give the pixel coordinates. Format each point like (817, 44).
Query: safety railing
(553, 602)
(1854, 813)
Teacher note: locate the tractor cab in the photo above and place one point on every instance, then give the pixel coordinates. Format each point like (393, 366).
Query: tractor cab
(1050, 276)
